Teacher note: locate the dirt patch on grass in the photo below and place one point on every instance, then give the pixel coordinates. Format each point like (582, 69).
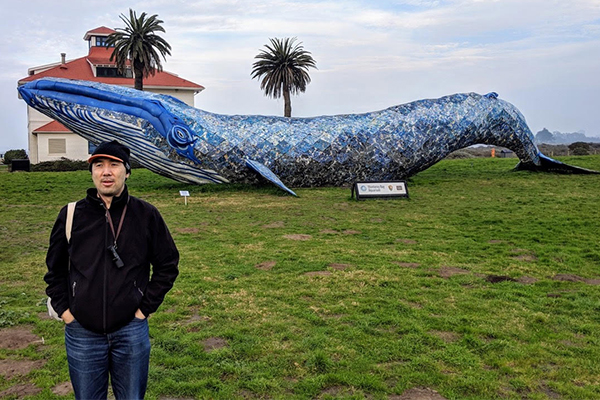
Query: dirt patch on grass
(406, 241)
(499, 278)
(273, 225)
(187, 230)
(244, 394)
(330, 232)
(413, 304)
(20, 391)
(549, 392)
(10, 368)
(335, 391)
(63, 389)
(418, 394)
(446, 272)
(339, 267)
(197, 318)
(214, 343)
(17, 338)
(407, 264)
(351, 232)
(44, 315)
(495, 241)
(568, 278)
(523, 255)
(377, 220)
(318, 273)
(527, 280)
(298, 236)
(266, 265)
(526, 257)
(448, 337)
(575, 278)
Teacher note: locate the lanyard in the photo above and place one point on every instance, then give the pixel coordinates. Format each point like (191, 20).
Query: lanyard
(112, 227)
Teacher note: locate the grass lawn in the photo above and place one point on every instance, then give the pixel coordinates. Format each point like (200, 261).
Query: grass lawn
(483, 285)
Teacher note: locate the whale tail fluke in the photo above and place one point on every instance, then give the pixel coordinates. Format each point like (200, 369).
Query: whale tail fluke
(548, 164)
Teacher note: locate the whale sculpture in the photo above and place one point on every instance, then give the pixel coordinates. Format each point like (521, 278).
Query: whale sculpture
(190, 145)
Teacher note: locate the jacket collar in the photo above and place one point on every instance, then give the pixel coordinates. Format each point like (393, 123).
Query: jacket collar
(117, 202)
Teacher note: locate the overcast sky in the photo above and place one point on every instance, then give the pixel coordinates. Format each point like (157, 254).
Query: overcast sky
(541, 55)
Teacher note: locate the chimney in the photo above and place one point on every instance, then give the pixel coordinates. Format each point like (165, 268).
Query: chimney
(63, 57)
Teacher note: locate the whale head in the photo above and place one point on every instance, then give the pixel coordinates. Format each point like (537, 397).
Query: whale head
(149, 124)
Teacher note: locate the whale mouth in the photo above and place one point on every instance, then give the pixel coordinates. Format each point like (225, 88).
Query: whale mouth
(90, 94)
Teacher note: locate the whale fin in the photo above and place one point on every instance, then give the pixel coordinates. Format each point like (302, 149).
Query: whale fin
(269, 175)
(548, 164)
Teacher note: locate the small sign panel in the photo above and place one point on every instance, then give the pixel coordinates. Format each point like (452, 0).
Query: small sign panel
(184, 194)
(384, 189)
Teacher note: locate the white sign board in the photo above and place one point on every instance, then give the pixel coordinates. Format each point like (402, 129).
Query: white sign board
(386, 189)
(184, 194)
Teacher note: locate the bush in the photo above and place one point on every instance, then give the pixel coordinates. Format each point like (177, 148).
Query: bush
(459, 154)
(580, 148)
(580, 151)
(64, 164)
(14, 155)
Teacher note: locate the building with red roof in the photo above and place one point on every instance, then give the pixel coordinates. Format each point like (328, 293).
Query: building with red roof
(50, 140)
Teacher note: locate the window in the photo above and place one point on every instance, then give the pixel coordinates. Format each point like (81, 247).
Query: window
(101, 41)
(111, 72)
(57, 146)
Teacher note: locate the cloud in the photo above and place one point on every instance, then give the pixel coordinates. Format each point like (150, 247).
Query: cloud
(370, 54)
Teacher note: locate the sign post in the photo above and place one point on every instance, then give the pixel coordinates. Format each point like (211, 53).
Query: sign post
(185, 195)
(379, 190)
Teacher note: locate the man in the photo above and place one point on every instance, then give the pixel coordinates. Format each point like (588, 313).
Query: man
(100, 282)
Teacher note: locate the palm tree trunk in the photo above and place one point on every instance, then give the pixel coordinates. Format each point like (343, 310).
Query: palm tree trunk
(138, 73)
(287, 103)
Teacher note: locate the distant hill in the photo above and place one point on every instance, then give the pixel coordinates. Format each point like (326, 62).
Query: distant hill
(545, 136)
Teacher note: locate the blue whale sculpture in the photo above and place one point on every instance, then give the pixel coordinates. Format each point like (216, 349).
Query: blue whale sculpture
(190, 145)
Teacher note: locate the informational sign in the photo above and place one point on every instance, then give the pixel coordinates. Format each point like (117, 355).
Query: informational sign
(384, 189)
(184, 194)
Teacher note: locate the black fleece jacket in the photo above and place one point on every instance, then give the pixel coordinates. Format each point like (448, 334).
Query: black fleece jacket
(102, 297)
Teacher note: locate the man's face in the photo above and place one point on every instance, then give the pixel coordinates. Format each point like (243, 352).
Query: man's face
(109, 176)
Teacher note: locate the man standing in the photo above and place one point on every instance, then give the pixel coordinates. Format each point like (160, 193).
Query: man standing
(100, 282)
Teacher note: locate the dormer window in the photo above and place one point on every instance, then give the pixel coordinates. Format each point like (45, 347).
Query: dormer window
(101, 41)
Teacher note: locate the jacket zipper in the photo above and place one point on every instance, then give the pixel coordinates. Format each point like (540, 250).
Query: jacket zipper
(138, 289)
(105, 269)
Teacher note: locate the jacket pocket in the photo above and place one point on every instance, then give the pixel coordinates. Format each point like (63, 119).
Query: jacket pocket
(139, 293)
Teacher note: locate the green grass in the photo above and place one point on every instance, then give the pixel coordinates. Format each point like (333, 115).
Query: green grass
(371, 330)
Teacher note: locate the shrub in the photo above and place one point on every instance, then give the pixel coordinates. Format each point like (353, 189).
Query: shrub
(459, 154)
(64, 164)
(580, 148)
(14, 155)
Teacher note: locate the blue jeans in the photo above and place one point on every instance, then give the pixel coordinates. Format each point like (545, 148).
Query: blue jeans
(124, 355)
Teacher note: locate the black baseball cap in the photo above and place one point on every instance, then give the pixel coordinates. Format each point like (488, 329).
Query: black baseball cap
(112, 150)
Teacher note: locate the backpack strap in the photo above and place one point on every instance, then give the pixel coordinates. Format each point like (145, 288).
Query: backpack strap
(69, 225)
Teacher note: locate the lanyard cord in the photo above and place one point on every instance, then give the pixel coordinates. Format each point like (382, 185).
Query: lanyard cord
(112, 227)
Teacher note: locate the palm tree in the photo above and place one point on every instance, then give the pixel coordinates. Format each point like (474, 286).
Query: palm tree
(284, 70)
(139, 44)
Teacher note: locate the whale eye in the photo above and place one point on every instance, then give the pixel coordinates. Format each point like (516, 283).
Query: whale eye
(180, 137)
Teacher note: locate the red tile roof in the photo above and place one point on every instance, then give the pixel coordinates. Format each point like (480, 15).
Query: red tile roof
(81, 68)
(100, 31)
(52, 127)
